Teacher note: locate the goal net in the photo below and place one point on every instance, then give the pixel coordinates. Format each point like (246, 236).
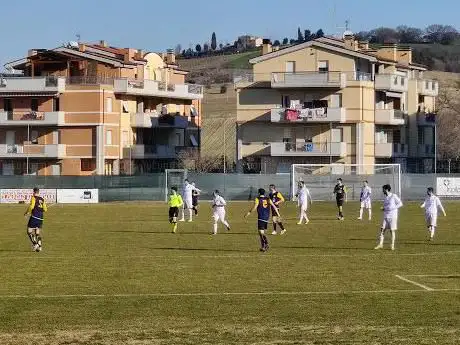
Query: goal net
(320, 179)
(174, 177)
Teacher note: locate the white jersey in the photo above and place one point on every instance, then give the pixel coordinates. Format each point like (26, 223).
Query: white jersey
(391, 204)
(431, 205)
(188, 191)
(218, 202)
(366, 194)
(303, 195)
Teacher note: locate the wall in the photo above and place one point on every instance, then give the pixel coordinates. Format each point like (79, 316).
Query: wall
(306, 60)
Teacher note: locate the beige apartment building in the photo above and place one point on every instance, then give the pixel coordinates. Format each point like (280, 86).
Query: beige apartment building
(335, 101)
(85, 109)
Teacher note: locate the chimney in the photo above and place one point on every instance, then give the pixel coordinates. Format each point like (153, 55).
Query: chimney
(266, 46)
(350, 42)
(363, 45)
(388, 51)
(170, 57)
(103, 43)
(140, 54)
(31, 52)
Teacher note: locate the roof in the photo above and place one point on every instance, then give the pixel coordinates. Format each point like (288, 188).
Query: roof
(316, 43)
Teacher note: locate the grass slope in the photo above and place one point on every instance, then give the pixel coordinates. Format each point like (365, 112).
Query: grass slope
(113, 274)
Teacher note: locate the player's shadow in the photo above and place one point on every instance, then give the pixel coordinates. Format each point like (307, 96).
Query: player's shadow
(179, 233)
(202, 250)
(324, 248)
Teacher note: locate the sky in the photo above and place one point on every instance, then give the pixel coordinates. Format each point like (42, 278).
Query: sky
(156, 25)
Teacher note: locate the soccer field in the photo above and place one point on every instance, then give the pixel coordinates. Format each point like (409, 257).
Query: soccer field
(114, 274)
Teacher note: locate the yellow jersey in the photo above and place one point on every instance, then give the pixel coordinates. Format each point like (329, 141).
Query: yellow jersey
(175, 200)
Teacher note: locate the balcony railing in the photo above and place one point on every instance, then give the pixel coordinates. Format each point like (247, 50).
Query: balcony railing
(89, 80)
(32, 84)
(303, 115)
(157, 88)
(391, 82)
(428, 87)
(338, 149)
(426, 118)
(140, 151)
(33, 150)
(32, 118)
(389, 117)
(309, 79)
(388, 150)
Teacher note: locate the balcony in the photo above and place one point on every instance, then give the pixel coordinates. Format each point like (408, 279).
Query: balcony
(150, 151)
(144, 120)
(425, 150)
(388, 150)
(391, 82)
(427, 87)
(426, 119)
(338, 149)
(309, 80)
(158, 89)
(389, 117)
(32, 151)
(33, 118)
(29, 84)
(283, 115)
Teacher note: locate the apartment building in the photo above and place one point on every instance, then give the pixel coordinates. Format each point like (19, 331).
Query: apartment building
(85, 109)
(335, 101)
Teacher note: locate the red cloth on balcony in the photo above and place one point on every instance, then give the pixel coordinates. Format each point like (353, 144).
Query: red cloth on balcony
(292, 115)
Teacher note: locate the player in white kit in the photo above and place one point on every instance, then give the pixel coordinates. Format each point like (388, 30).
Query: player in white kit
(187, 196)
(218, 211)
(366, 201)
(303, 194)
(391, 205)
(431, 206)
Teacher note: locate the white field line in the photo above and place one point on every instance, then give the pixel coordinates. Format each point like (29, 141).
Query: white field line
(454, 275)
(224, 256)
(223, 294)
(427, 288)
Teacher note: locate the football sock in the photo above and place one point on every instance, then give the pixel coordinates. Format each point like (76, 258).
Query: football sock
(215, 228)
(174, 227)
(39, 240)
(432, 230)
(370, 214)
(393, 238)
(262, 241)
(31, 237)
(226, 224)
(274, 226)
(361, 212)
(382, 236)
(190, 213)
(281, 225)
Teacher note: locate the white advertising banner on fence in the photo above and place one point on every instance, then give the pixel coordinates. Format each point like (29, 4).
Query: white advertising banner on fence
(448, 186)
(77, 196)
(15, 196)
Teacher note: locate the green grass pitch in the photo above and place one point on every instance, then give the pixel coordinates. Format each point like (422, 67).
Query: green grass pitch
(114, 274)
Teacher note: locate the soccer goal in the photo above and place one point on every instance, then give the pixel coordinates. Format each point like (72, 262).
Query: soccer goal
(174, 177)
(321, 178)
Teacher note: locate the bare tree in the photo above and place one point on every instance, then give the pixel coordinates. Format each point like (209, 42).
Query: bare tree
(448, 121)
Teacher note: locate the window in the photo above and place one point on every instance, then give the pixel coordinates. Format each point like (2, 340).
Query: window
(87, 164)
(34, 137)
(397, 136)
(125, 106)
(290, 66)
(285, 101)
(108, 103)
(7, 104)
(108, 137)
(125, 139)
(421, 136)
(34, 104)
(323, 66)
(56, 104)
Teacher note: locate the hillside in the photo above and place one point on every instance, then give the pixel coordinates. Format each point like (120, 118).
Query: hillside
(217, 69)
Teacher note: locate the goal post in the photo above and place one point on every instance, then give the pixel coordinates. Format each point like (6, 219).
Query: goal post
(174, 177)
(321, 178)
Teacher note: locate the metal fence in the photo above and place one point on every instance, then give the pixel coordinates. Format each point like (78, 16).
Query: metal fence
(232, 186)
